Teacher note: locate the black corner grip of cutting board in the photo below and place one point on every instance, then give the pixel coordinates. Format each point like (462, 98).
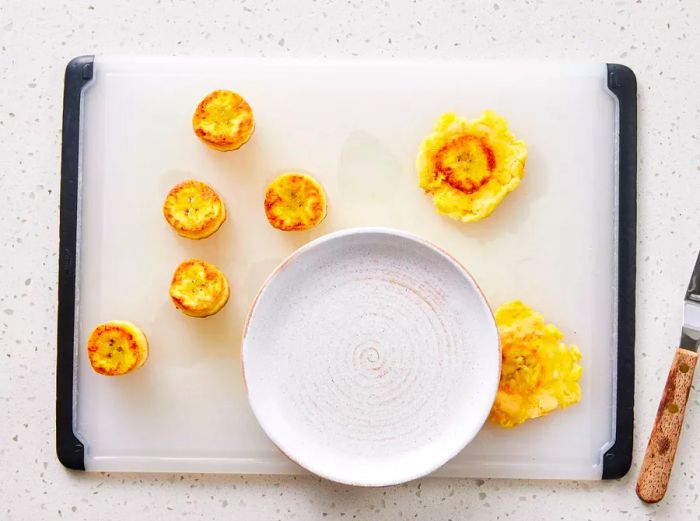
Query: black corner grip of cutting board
(623, 84)
(69, 448)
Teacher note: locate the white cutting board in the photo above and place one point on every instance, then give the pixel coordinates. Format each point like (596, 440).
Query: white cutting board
(356, 127)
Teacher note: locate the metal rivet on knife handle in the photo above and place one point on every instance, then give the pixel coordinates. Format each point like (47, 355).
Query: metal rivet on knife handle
(661, 451)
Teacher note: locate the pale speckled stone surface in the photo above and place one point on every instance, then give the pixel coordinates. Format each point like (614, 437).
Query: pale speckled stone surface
(658, 38)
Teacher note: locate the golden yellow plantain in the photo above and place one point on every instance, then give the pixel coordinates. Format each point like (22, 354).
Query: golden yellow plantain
(198, 288)
(469, 166)
(223, 120)
(294, 202)
(194, 209)
(117, 348)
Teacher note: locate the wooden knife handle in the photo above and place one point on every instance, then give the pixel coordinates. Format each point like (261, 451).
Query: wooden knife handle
(661, 451)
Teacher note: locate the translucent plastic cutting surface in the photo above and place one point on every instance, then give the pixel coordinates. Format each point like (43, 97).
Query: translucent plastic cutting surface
(356, 127)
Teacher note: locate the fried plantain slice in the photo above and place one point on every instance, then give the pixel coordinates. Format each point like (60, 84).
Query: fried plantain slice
(117, 348)
(223, 120)
(294, 202)
(469, 166)
(198, 288)
(194, 209)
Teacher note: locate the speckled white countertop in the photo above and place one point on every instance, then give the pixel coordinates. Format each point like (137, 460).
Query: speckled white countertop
(658, 39)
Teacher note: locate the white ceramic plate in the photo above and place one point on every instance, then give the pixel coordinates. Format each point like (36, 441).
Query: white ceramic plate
(371, 357)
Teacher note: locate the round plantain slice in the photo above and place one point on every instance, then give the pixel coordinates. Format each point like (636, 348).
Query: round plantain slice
(223, 120)
(117, 348)
(294, 202)
(194, 209)
(198, 288)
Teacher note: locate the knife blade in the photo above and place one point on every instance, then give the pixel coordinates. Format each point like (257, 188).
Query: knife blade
(663, 441)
